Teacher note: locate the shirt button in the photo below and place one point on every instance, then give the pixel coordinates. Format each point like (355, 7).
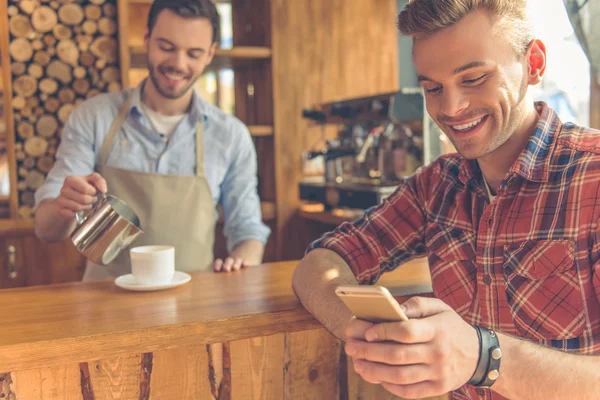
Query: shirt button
(487, 279)
(480, 392)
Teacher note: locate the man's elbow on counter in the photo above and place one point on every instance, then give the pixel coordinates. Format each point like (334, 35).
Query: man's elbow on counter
(297, 278)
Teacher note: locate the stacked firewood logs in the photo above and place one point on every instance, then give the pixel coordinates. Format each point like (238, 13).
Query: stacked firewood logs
(62, 52)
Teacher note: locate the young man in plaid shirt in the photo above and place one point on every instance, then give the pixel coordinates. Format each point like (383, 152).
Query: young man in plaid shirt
(509, 226)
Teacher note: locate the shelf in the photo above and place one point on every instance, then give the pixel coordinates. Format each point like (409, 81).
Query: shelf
(337, 216)
(224, 58)
(260, 130)
(267, 209)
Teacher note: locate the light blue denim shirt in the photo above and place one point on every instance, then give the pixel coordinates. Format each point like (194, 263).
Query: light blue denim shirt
(229, 156)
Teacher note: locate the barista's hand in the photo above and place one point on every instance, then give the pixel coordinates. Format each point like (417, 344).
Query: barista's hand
(79, 193)
(417, 358)
(244, 254)
(230, 264)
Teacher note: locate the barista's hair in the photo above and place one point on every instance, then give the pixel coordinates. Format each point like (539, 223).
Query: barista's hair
(425, 17)
(187, 9)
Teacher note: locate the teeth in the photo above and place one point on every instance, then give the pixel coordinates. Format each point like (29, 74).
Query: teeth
(174, 77)
(467, 126)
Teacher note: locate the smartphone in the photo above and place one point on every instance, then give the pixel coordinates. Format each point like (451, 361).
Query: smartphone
(371, 303)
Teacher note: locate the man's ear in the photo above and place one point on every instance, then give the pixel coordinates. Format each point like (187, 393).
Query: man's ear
(146, 38)
(211, 53)
(536, 59)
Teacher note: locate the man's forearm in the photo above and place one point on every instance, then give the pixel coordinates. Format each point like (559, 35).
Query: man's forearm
(314, 282)
(51, 226)
(251, 251)
(531, 372)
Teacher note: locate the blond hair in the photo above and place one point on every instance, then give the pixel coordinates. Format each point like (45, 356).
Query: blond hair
(424, 17)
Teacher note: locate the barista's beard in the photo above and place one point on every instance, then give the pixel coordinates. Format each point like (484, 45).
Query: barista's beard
(153, 72)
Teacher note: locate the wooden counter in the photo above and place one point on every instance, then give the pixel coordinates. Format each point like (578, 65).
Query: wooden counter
(241, 335)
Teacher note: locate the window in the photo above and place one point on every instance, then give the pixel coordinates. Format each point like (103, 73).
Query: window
(566, 86)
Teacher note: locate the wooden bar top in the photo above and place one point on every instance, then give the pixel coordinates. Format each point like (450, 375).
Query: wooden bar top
(59, 324)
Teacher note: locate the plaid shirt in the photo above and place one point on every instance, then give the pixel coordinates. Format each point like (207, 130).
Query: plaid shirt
(527, 264)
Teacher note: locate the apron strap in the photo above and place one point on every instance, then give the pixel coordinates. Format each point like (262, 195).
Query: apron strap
(114, 129)
(199, 148)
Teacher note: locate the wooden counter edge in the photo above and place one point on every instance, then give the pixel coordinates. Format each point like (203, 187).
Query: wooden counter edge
(103, 346)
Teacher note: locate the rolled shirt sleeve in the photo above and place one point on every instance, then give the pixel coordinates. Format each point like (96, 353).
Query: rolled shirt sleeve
(239, 197)
(386, 236)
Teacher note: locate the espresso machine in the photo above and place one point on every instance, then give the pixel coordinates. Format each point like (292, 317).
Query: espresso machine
(380, 140)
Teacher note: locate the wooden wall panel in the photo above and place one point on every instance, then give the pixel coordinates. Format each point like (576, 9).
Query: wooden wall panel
(60, 383)
(180, 374)
(311, 365)
(286, 366)
(117, 378)
(322, 51)
(257, 368)
(219, 369)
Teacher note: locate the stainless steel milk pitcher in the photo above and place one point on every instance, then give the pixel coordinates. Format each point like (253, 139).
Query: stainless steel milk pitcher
(110, 227)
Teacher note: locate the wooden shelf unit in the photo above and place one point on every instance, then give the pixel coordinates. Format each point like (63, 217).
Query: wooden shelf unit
(260, 130)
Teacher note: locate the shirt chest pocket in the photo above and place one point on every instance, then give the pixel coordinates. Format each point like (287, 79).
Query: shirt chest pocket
(451, 254)
(128, 155)
(543, 289)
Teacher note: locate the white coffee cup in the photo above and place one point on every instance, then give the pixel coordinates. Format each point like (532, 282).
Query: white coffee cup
(152, 265)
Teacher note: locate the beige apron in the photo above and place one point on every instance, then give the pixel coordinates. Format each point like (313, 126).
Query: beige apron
(174, 210)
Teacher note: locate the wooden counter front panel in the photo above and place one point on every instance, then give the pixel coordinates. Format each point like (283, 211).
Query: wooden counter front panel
(300, 365)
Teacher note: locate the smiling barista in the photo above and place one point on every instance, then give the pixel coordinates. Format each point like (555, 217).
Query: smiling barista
(170, 155)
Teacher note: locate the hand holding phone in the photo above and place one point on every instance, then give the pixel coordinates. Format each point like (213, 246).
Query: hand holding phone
(371, 303)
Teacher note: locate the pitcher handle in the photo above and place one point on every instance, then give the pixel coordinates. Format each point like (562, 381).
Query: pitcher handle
(79, 215)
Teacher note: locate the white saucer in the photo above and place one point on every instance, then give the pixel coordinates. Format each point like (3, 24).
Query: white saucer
(128, 282)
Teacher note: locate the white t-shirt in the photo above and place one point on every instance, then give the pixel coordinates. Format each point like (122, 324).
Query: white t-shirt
(163, 124)
(489, 192)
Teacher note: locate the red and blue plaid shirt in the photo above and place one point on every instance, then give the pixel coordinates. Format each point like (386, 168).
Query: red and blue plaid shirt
(528, 264)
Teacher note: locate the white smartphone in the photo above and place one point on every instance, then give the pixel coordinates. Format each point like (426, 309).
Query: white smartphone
(371, 303)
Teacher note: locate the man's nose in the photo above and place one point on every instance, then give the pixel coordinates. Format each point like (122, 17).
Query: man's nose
(454, 102)
(179, 62)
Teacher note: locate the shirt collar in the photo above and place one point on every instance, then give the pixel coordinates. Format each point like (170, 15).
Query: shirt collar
(533, 163)
(197, 110)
